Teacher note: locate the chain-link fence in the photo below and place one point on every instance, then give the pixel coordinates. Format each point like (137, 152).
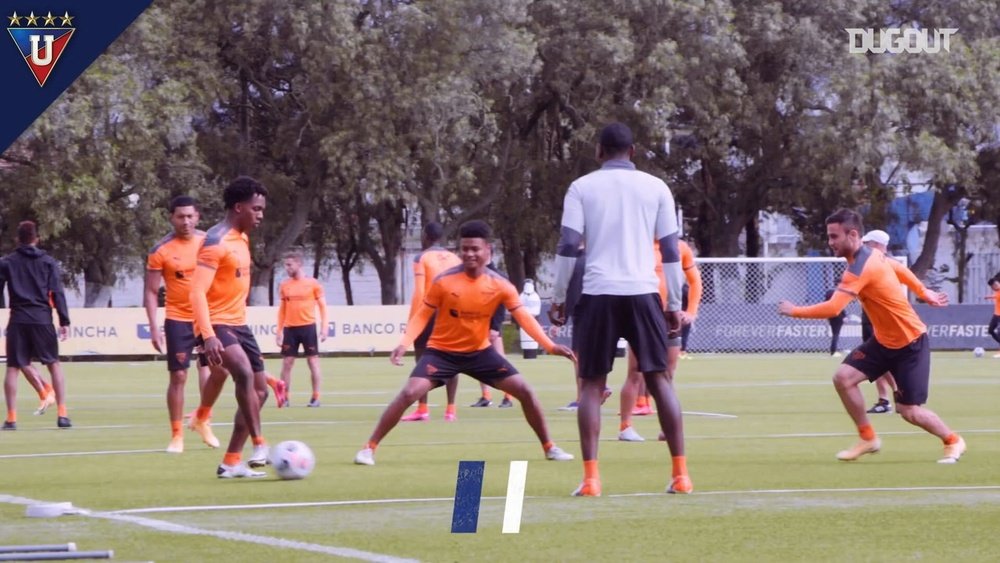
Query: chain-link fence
(739, 308)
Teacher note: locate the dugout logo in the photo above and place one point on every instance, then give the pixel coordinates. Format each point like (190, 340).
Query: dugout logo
(41, 40)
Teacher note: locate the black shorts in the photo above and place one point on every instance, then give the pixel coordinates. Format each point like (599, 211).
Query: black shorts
(293, 336)
(866, 331)
(420, 344)
(910, 366)
(486, 365)
(600, 320)
(241, 335)
(180, 343)
(26, 341)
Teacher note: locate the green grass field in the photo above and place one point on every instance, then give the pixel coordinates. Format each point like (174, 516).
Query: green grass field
(767, 486)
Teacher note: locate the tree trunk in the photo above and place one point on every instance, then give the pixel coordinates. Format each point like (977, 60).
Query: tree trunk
(514, 260)
(99, 280)
(939, 210)
(388, 214)
(345, 276)
(263, 271)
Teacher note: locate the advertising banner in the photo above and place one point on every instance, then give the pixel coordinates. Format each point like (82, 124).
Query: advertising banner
(125, 331)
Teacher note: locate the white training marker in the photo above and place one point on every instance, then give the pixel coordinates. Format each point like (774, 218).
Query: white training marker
(515, 497)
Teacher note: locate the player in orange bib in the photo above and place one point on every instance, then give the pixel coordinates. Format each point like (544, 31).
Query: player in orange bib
(426, 266)
(465, 299)
(219, 293)
(634, 389)
(173, 261)
(994, 326)
(899, 346)
(300, 296)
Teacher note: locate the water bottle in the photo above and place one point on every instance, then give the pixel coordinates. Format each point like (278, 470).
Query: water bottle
(533, 304)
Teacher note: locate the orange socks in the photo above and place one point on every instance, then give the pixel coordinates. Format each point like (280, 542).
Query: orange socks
(371, 445)
(486, 394)
(625, 424)
(232, 458)
(203, 413)
(62, 410)
(258, 441)
(547, 446)
(450, 409)
(176, 428)
(950, 439)
(315, 396)
(590, 470)
(422, 408)
(866, 432)
(680, 465)
(11, 415)
(642, 401)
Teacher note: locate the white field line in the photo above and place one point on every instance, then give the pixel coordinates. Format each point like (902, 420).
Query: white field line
(170, 527)
(959, 488)
(374, 502)
(609, 439)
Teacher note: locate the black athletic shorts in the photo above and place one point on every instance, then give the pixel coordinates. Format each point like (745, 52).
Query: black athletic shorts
(600, 320)
(241, 335)
(180, 343)
(293, 336)
(910, 366)
(26, 341)
(486, 365)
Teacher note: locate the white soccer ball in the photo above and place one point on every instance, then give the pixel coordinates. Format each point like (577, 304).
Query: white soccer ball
(978, 352)
(292, 460)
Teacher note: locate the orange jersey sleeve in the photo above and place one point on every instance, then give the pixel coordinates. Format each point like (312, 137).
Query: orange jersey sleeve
(996, 303)
(658, 268)
(176, 259)
(906, 277)
(299, 299)
(693, 276)
(465, 306)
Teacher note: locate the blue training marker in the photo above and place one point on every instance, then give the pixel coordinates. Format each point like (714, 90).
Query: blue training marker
(468, 492)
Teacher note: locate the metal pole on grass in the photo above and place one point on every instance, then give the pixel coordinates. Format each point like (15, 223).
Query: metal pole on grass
(57, 555)
(41, 547)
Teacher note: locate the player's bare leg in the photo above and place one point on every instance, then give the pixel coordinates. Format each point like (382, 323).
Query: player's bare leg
(316, 378)
(59, 386)
(287, 363)
(517, 387)
(414, 388)
(243, 425)
(175, 409)
(629, 393)
(10, 396)
(846, 381)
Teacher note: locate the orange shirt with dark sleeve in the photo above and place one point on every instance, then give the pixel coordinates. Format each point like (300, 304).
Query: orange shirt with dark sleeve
(872, 278)
(691, 274)
(299, 298)
(427, 266)
(464, 307)
(221, 281)
(175, 258)
(996, 303)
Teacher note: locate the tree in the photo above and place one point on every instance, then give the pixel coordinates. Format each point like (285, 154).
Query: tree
(96, 169)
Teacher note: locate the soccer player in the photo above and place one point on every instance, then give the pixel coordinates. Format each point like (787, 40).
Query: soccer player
(300, 296)
(426, 266)
(173, 261)
(633, 391)
(619, 212)
(994, 327)
(885, 385)
(900, 344)
(219, 293)
(33, 282)
(467, 296)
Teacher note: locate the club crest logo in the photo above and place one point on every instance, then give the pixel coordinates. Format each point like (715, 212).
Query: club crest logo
(41, 40)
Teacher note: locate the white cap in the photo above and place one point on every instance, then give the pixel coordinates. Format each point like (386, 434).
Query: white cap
(877, 236)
